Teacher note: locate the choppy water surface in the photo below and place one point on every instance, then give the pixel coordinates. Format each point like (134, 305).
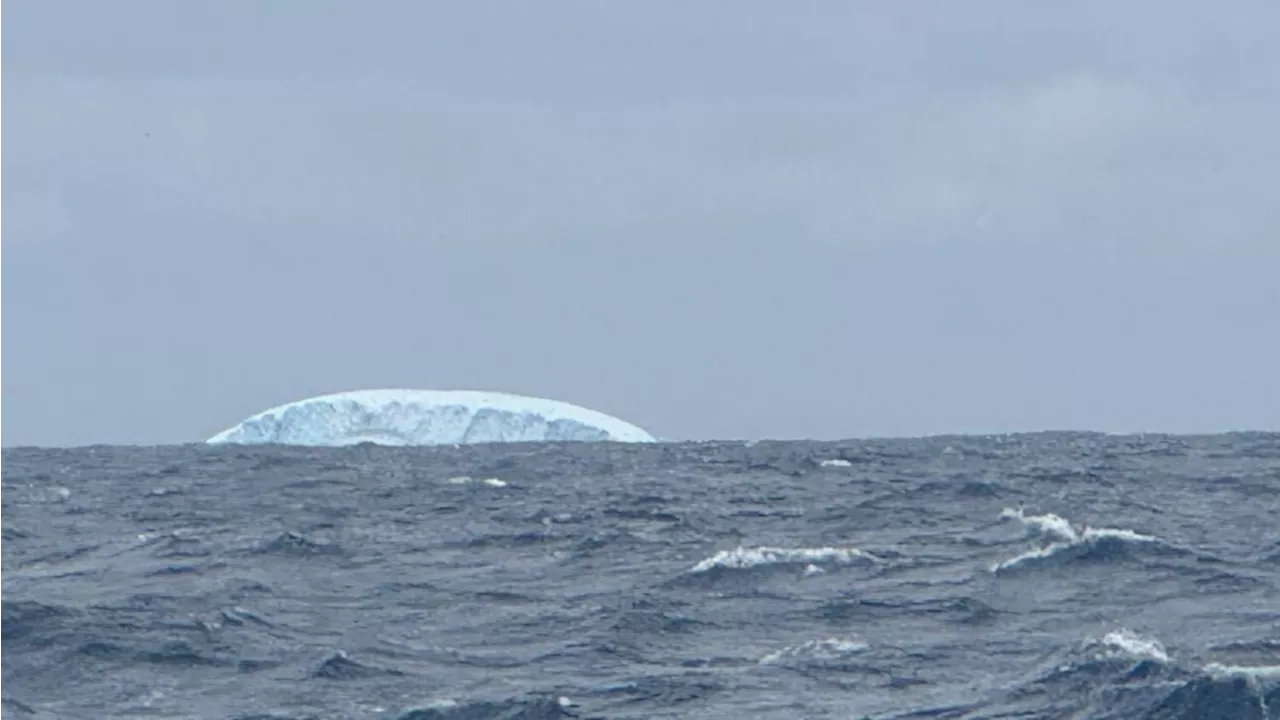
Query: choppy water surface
(1036, 576)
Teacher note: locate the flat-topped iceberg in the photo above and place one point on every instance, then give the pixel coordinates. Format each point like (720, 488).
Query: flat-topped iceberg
(427, 417)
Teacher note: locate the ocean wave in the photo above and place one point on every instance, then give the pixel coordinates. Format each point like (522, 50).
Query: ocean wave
(281, 583)
(746, 558)
(816, 651)
(1067, 542)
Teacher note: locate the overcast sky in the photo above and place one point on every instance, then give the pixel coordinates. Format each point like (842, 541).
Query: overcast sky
(715, 220)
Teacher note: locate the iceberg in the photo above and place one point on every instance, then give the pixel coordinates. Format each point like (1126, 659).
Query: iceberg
(427, 417)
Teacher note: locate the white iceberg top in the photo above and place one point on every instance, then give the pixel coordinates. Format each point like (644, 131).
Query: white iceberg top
(427, 417)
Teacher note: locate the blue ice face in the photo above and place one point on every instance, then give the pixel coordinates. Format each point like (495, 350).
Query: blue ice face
(418, 417)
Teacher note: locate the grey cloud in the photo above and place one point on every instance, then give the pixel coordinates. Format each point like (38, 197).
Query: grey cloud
(746, 220)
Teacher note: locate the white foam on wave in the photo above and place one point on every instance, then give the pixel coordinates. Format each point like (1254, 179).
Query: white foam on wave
(828, 649)
(1255, 674)
(467, 480)
(1135, 646)
(741, 558)
(427, 417)
(1062, 536)
(1262, 679)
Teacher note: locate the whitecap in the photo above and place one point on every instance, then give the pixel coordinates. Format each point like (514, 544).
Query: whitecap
(1135, 646)
(1062, 537)
(741, 558)
(828, 649)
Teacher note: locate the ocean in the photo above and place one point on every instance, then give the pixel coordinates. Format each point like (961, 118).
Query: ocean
(1048, 575)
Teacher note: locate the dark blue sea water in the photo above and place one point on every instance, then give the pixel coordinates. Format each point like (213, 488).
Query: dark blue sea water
(1032, 576)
